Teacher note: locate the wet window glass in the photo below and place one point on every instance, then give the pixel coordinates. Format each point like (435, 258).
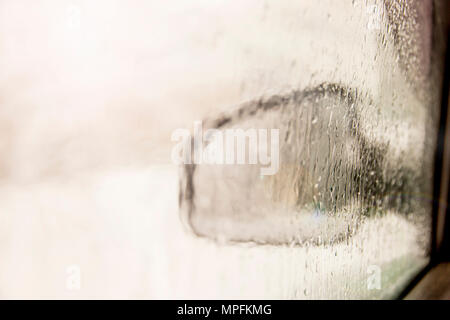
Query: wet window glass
(217, 149)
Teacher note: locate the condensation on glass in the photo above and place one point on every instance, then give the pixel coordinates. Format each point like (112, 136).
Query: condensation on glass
(353, 193)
